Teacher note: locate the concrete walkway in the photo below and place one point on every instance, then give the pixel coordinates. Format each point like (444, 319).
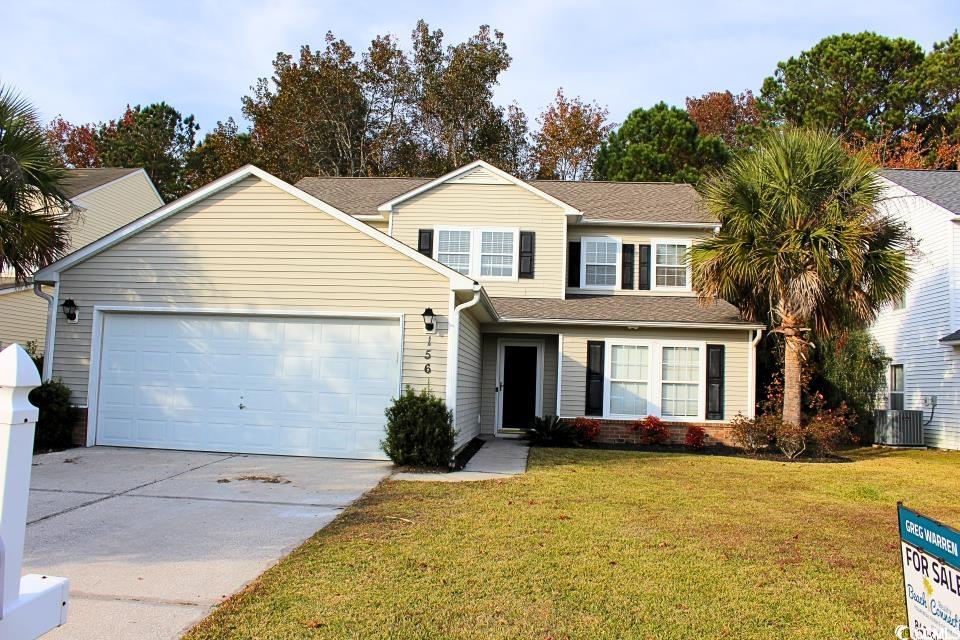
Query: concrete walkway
(151, 540)
(497, 458)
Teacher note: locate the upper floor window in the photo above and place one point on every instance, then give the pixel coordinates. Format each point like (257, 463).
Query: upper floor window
(900, 302)
(671, 266)
(600, 263)
(479, 253)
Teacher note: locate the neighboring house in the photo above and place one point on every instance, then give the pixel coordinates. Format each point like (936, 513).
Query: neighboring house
(257, 316)
(103, 200)
(921, 333)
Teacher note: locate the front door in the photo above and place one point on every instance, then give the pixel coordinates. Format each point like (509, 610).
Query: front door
(519, 385)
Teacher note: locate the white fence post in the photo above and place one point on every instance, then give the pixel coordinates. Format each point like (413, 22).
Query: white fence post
(33, 604)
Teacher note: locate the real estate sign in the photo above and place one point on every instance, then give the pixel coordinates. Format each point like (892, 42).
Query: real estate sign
(931, 576)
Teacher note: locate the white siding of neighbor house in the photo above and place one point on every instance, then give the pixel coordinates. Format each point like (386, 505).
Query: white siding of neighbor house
(468, 380)
(23, 318)
(23, 315)
(634, 235)
(481, 199)
(910, 336)
(254, 246)
(490, 354)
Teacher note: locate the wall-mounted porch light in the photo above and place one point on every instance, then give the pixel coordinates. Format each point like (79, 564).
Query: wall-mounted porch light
(428, 320)
(70, 311)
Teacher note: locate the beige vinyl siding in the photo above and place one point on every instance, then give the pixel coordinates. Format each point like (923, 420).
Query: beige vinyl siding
(470, 204)
(574, 361)
(110, 207)
(23, 318)
(468, 379)
(253, 246)
(633, 235)
(490, 353)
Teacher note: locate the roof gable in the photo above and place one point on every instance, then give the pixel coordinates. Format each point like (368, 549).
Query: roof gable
(80, 181)
(51, 272)
(939, 187)
(477, 172)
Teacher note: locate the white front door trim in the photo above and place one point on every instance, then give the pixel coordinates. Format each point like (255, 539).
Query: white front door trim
(96, 342)
(517, 342)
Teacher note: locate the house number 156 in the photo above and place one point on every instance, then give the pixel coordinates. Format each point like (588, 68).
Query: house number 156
(426, 355)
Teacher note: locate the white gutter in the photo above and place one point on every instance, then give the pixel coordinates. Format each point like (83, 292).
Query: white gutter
(635, 323)
(647, 223)
(51, 327)
(453, 345)
(752, 375)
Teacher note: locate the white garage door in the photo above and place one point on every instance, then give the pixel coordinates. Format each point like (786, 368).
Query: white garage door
(290, 386)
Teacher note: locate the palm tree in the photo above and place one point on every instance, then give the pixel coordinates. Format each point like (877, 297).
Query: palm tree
(32, 203)
(802, 243)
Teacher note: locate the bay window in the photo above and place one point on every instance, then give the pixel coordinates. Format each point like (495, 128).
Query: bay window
(670, 267)
(600, 263)
(479, 252)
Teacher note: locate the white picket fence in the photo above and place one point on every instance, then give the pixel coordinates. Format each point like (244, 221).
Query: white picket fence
(33, 604)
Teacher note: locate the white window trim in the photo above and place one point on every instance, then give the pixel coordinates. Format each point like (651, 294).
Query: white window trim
(653, 267)
(476, 235)
(890, 391)
(655, 375)
(583, 263)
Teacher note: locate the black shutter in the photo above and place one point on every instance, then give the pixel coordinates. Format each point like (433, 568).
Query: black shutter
(715, 382)
(644, 266)
(594, 400)
(573, 264)
(626, 267)
(528, 245)
(425, 242)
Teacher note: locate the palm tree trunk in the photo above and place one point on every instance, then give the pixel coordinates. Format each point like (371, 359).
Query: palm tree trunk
(792, 372)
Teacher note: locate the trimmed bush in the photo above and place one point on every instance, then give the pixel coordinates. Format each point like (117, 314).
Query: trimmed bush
(652, 430)
(551, 431)
(587, 429)
(419, 430)
(696, 437)
(56, 416)
(753, 435)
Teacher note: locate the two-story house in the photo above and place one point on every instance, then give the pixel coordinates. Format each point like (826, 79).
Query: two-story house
(257, 316)
(101, 200)
(921, 333)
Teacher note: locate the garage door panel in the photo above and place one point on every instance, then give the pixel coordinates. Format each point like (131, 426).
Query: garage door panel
(308, 386)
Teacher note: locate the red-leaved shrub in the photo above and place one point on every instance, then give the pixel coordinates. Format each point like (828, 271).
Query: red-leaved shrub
(695, 437)
(587, 428)
(652, 430)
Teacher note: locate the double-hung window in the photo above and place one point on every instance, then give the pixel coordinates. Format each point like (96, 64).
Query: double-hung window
(453, 249)
(680, 382)
(600, 263)
(478, 252)
(629, 379)
(896, 387)
(670, 269)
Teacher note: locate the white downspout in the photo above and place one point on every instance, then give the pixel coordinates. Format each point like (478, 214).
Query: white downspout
(51, 329)
(453, 347)
(752, 375)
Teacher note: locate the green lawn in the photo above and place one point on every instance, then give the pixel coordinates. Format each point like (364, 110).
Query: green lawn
(609, 544)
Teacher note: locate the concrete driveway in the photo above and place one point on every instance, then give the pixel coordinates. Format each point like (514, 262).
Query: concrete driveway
(151, 540)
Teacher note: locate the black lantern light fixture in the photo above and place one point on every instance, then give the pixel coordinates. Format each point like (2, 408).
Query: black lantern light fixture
(428, 320)
(69, 310)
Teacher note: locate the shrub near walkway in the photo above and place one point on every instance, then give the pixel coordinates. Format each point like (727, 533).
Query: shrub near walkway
(610, 544)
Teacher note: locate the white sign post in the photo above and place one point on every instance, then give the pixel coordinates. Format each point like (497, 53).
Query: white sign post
(31, 605)
(930, 552)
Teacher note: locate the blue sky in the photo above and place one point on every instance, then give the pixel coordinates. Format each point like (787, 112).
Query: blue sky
(86, 60)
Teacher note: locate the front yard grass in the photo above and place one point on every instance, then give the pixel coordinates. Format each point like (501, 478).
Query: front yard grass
(610, 544)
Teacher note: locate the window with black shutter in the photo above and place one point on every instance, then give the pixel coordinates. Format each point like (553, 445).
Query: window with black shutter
(715, 381)
(425, 242)
(644, 266)
(528, 246)
(573, 264)
(593, 405)
(626, 267)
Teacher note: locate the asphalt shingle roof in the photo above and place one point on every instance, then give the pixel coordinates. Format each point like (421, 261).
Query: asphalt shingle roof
(599, 201)
(939, 187)
(672, 309)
